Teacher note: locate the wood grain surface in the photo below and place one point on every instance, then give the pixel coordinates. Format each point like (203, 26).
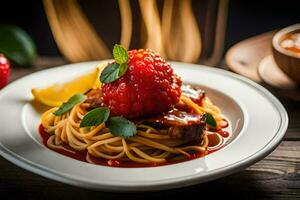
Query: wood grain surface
(277, 176)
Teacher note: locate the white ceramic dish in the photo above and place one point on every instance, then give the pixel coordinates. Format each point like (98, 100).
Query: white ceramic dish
(258, 123)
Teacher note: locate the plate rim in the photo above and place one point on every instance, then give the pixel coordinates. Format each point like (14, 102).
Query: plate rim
(163, 184)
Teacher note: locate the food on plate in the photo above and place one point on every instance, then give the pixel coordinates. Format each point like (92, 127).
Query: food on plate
(56, 94)
(139, 115)
(148, 87)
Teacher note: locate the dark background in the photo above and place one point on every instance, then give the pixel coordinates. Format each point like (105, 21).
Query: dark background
(245, 19)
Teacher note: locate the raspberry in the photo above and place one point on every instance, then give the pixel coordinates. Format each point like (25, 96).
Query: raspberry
(4, 71)
(148, 87)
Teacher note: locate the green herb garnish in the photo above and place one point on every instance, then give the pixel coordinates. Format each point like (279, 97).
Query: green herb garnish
(95, 117)
(210, 120)
(110, 73)
(120, 126)
(120, 54)
(115, 70)
(75, 99)
(122, 69)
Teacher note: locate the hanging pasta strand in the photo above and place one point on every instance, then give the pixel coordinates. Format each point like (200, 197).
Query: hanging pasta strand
(176, 37)
(74, 35)
(181, 35)
(126, 23)
(153, 32)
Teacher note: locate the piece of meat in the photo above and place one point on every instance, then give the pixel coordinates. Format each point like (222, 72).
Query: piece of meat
(193, 133)
(176, 117)
(189, 134)
(94, 98)
(181, 125)
(193, 92)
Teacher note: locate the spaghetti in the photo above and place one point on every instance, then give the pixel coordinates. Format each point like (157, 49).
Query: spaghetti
(172, 137)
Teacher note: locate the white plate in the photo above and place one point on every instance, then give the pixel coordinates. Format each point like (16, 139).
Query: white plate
(258, 123)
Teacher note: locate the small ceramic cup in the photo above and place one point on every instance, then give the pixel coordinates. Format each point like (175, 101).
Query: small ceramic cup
(287, 58)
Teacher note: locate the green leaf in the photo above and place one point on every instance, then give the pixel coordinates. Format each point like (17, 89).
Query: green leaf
(95, 117)
(120, 54)
(110, 73)
(120, 126)
(17, 45)
(122, 69)
(75, 99)
(115, 70)
(210, 120)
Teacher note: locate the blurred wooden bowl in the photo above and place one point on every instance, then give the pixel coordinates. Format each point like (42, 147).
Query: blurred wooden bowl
(287, 60)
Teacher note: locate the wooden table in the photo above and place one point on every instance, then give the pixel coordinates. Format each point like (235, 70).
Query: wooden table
(276, 176)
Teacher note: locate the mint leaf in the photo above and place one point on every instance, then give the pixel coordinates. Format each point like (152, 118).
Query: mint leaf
(115, 70)
(120, 54)
(120, 126)
(210, 120)
(95, 117)
(122, 69)
(110, 73)
(75, 99)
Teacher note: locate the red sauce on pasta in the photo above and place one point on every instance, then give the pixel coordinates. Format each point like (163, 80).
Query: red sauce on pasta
(216, 142)
(224, 134)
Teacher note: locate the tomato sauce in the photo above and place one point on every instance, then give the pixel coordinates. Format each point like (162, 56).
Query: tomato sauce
(216, 141)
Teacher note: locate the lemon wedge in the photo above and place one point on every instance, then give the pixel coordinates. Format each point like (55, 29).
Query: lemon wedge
(56, 94)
